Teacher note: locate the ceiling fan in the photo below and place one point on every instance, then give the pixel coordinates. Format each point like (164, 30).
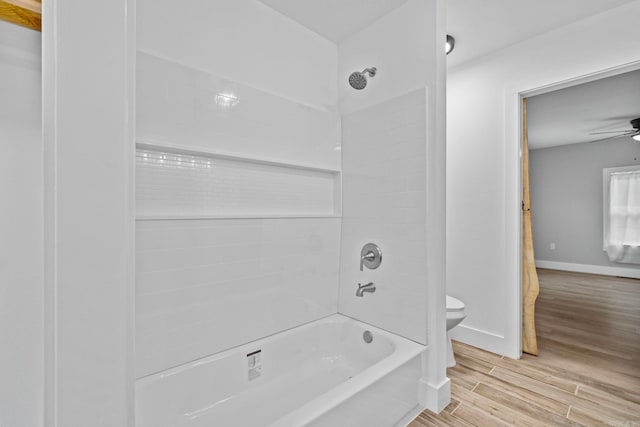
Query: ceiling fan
(633, 133)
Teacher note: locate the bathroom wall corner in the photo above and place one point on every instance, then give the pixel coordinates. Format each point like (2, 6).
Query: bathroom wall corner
(434, 397)
(436, 240)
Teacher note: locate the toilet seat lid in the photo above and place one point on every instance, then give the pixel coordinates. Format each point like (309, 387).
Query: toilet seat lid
(454, 304)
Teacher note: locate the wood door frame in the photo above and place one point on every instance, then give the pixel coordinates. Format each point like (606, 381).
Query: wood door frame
(513, 190)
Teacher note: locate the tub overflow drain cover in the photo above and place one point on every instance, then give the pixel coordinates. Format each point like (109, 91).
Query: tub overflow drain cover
(367, 337)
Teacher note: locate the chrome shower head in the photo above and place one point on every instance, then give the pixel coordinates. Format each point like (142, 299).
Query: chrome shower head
(358, 80)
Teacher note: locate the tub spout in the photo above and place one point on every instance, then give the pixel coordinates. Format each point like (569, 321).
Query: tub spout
(369, 287)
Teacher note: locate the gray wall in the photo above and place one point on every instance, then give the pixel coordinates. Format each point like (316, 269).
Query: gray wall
(566, 198)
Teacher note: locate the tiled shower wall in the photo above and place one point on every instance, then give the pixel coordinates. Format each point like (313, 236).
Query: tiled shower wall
(207, 285)
(391, 172)
(176, 184)
(384, 189)
(222, 270)
(229, 249)
(179, 104)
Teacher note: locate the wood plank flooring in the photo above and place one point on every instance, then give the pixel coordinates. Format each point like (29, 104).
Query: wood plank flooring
(587, 372)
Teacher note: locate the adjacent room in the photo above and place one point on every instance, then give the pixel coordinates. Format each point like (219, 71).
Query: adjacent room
(586, 366)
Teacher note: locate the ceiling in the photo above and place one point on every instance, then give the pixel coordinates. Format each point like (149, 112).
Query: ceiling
(484, 26)
(567, 116)
(335, 20)
(479, 26)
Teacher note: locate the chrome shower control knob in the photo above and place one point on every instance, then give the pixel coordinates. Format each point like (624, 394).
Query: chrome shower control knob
(370, 256)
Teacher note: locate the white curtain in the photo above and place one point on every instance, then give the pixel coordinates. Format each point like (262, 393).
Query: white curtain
(623, 236)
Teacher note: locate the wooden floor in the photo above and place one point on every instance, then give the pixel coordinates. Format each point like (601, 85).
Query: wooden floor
(587, 372)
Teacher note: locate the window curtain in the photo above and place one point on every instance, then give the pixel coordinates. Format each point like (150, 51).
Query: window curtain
(623, 240)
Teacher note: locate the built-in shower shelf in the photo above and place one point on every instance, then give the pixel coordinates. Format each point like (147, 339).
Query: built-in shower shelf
(146, 144)
(177, 182)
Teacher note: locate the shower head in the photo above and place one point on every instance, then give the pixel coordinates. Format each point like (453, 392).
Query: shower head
(358, 80)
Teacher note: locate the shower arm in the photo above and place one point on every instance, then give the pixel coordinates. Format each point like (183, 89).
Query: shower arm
(371, 71)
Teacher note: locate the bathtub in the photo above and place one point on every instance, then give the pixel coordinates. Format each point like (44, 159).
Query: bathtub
(319, 374)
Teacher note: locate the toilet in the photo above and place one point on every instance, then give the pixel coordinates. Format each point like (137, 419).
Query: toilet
(455, 315)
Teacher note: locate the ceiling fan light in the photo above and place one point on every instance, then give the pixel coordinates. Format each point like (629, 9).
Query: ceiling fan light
(636, 137)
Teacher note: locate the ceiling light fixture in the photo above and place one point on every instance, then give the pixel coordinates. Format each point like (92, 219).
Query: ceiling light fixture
(451, 42)
(636, 137)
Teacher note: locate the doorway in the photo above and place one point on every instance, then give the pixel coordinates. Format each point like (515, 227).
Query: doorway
(592, 104)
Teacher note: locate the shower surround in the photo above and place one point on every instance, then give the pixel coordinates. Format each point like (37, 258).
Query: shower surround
(261, 173)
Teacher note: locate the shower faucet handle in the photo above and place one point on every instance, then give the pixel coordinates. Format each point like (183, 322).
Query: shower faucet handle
(370, 256)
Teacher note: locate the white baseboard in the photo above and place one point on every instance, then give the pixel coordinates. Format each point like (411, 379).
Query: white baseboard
(483, 339)
(435, 397)
(633, 273)
(411, 415)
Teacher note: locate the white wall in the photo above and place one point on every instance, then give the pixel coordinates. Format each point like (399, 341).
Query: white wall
(394, 173)
(483, 174)
(21, 232)
(247, 271)
(88, 107)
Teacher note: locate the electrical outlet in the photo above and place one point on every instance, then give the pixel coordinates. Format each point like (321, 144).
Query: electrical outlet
(552, 246)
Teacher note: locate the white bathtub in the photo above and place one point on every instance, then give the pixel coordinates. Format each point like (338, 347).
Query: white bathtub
(319, 374)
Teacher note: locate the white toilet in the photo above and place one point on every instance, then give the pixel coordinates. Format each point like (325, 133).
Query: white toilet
(455, 315)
